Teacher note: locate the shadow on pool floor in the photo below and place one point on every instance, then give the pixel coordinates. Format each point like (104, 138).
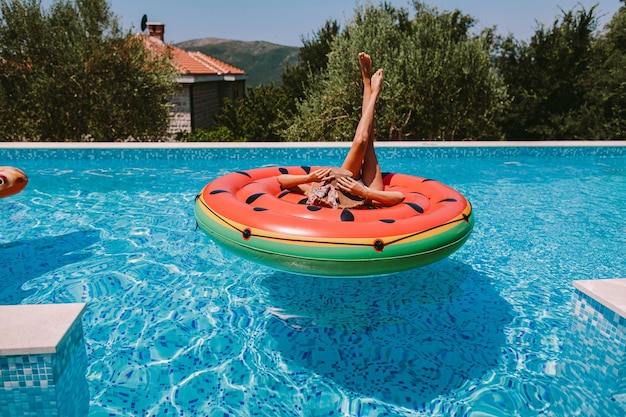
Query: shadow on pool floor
(404, 339)
(22, 261)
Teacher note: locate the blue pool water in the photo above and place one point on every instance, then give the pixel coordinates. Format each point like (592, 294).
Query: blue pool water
(176, 326)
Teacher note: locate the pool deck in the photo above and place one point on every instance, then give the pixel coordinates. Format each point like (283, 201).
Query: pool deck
(611, 293)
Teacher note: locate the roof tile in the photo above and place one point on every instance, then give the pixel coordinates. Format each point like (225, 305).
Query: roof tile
(194, 63)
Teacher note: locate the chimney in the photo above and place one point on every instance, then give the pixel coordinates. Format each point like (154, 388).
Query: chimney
(157, 30)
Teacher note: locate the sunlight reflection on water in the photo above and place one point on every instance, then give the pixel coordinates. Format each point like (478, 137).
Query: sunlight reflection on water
(176, 326)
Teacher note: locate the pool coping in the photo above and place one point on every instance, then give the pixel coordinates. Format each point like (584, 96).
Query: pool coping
(270, 145)
(611, 293)
(29, 329)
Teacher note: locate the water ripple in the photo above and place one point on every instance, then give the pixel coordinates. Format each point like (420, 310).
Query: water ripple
(175, 326)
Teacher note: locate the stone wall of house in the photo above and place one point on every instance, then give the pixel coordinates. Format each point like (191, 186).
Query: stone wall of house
(195, 105)
(181, 112)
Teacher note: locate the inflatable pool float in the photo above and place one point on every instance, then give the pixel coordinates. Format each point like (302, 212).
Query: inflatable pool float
(248, 213)
(12, 181)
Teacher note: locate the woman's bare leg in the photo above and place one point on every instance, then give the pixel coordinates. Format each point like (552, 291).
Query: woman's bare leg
(371, 174)
(361, 159)
(366, 72)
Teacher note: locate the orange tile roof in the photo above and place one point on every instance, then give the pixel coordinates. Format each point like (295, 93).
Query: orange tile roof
(194, 63)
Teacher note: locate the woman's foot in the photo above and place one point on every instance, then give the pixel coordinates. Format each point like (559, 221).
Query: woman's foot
(366, 67)
(366, 71)
(377, 83)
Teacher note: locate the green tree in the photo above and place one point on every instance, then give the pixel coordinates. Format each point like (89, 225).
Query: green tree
(265, 111)
(603, 113)
(71, 73)
(255, 118)
(547, 78)
(439, 80)
(313, 59)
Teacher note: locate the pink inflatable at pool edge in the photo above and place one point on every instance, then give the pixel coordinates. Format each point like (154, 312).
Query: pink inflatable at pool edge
(12, 181)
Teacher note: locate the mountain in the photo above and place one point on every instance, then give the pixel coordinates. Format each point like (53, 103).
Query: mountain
(262, 61)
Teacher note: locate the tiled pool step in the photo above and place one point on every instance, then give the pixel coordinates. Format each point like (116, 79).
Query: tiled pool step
(595, 346)
(611, 293)
(43, 361)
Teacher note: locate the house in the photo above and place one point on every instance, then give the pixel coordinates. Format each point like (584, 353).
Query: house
(204, 84)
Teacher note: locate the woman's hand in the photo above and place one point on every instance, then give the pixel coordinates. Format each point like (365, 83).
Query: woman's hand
(302, 181)
(349, 185)
(385, 198)
(320, 175)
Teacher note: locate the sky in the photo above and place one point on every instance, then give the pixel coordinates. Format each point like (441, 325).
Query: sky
(286, 22)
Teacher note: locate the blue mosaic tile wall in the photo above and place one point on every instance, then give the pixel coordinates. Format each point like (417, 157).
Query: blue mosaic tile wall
(47, 385)
(298, 154)
(595, 351)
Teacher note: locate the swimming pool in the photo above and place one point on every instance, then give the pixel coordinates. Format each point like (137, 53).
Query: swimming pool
(175, 326)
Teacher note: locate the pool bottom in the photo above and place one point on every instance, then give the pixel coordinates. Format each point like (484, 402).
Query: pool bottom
(177, 326)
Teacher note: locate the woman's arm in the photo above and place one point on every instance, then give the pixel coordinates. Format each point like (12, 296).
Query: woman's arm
(290, 180)
(386, 198)
(300, 182)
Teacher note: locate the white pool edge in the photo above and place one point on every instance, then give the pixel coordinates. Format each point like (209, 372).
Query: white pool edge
(270, 145)
(610, 293)
(30, 329)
